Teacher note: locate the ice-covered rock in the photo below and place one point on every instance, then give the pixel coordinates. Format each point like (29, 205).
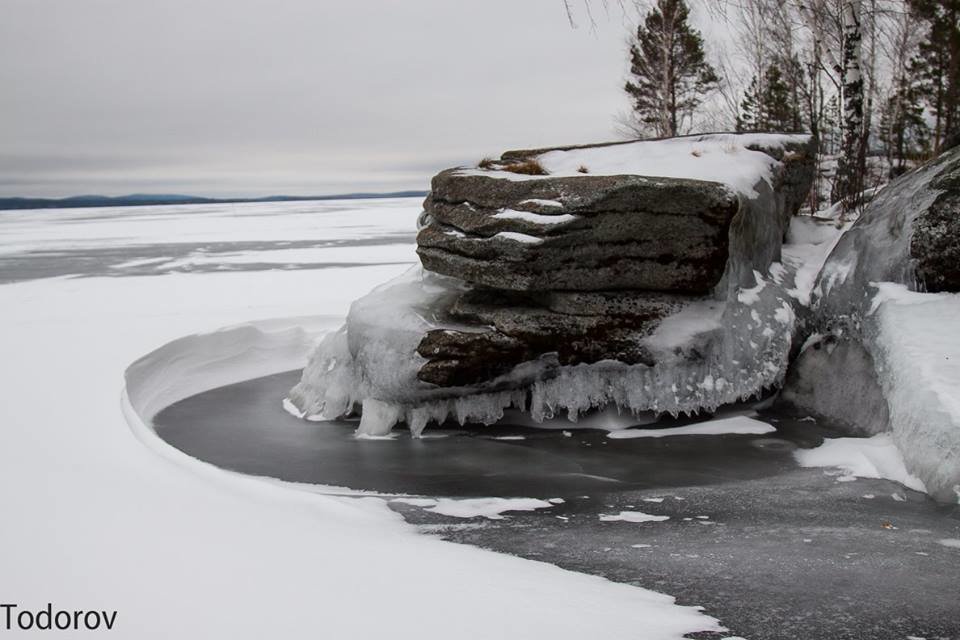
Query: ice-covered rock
(568, 291)
(882, 354)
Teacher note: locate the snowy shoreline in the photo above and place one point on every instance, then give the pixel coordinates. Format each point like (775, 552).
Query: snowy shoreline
(84, 497)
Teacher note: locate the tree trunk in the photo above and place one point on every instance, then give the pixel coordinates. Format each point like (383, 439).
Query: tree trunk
(848, 185)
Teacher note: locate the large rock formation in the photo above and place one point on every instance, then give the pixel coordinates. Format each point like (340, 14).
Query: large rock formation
(584, 266)
(569, 278)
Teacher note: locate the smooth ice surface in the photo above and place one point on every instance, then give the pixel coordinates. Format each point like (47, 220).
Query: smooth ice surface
(722, 158)
(734, 425)
(99, 518)
(874, 457)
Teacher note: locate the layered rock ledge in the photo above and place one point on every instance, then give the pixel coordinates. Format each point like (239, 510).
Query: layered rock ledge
(585, 266)
(641, 274)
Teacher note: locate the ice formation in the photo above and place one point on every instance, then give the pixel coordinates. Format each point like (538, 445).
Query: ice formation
(706, 351)
(716, 354)
(882, 355)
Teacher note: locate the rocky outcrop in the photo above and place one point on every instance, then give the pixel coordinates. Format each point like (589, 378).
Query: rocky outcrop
(621, 251)
(587, 279)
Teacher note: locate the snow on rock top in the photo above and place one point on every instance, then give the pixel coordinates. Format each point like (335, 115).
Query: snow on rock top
(731, 159)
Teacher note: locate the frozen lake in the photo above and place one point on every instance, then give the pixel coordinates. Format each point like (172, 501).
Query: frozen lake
(158, 240)
(772, 550)
(775, 551)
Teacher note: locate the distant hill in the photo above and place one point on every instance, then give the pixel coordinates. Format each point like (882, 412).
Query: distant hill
(144, 199)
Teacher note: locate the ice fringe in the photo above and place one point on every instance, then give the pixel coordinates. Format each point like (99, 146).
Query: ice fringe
(708, 355)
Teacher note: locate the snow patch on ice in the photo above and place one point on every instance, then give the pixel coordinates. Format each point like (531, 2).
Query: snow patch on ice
(809, 243)
(632, 516)
(874, 457)
(735, 425)
(681, 328)
(491, 508)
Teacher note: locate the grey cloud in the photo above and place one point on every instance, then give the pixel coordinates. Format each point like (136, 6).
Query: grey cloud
(306, 96)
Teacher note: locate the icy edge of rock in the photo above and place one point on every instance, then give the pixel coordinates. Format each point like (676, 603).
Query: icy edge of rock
(703, 364)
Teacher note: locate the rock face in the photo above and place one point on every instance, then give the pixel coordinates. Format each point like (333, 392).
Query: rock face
(935, 244)
(583, 266)
(591, 233)
(564, 279)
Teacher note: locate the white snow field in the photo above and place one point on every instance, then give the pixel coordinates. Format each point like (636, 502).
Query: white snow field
(97, 515)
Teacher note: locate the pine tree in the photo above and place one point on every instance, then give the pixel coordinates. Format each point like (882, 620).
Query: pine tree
(848, 185)
(750, 117)
(669, 72)
(937, 66)
(903, 129)
(769, 108)
(781, 114)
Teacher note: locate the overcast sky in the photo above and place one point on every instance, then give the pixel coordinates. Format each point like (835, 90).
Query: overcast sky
(257, 97)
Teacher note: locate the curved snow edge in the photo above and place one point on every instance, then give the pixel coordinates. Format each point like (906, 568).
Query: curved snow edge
(200, 362)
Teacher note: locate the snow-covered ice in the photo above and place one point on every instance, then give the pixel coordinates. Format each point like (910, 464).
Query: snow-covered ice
(182, 549)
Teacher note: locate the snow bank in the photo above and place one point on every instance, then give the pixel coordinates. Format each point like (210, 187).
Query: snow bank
(915, 342)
